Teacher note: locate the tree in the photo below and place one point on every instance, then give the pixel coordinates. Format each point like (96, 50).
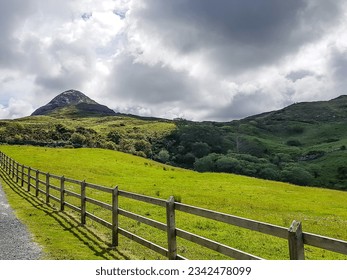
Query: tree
(342, 172)
(143, 146)
(207, 163)
(297, 175)
(269, 174)
(77, 138)
(114, 136)
(163, 156)
(200, 149)
(228, 164)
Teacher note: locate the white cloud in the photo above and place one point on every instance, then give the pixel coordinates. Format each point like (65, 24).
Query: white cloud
(195, 59)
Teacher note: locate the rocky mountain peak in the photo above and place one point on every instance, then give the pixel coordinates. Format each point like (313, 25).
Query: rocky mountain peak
(75, 100)
(71, 97)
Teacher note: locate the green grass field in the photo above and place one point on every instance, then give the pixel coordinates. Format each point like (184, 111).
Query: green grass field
(321, 211)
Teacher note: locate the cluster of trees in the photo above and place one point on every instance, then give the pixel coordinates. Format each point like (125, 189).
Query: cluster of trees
(59, 135)
(204, 147)
(212, 148)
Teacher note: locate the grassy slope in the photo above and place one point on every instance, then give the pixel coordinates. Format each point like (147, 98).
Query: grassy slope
(321, 211)
(101, 125)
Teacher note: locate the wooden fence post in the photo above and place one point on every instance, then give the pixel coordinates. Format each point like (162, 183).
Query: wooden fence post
(115, 217)
(171, 228)
(37, 183)
(29, 178)
(47, 188)
(17, 172)
(62, 193)
(22, 176)
(83, 202)
(8, 166)
(296, 242)
(12, 163)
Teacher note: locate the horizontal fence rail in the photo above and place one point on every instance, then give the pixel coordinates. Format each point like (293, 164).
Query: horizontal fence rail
(66, 195)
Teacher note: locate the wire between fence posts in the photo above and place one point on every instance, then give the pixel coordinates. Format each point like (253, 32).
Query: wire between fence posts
(296, 241)
(171, 228)
(115, 207)
(62, 193)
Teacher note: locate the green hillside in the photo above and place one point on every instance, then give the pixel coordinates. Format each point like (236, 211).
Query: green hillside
(322, 211)
(128, 134)
(303, 144)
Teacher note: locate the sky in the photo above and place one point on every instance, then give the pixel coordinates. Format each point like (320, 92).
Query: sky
(194, 59)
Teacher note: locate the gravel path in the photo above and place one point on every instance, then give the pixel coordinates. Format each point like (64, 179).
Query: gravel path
(15, 240)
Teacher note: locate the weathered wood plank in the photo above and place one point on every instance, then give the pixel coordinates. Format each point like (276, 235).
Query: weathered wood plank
(98, 220)
(148, 199)
(234, 220)
(71, 193)
(171, 228)
(57, 199)
(323, 242)
(144, 220)
(218, 247)
(62, 193)
(99, 203)
(54, 187)
(41, 182)
(41, 191)
(115, 207)
(29, 178)
(73, 181)
(99, 188)
(55, 176)
(83, 202)
(47, 188)
(73, 207)
(295, 242)
(144, 242)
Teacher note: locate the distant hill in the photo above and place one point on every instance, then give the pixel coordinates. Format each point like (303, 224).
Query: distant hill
(73, 103)
(304, 143)
(326, 111)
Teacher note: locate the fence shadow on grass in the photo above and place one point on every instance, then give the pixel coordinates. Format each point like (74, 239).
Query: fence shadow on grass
(68, 222)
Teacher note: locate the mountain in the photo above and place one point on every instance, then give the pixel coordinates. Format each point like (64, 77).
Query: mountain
(304, 143)
(73, 103)
(326, 111)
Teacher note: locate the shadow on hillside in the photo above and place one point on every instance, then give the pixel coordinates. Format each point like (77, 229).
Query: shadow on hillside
(68, 222)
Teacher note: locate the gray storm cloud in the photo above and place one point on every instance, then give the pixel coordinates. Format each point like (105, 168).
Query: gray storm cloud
(198, 59)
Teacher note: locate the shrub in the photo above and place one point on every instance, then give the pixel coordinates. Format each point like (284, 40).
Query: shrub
(269, 174)
(200, 149)
(207, 163)
(294, 143)
(228, 164)
(114, 136)
(297, 175)
(163, 156)
(77, 138)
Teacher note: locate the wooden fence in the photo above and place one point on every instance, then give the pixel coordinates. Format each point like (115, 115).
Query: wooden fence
(40, 182)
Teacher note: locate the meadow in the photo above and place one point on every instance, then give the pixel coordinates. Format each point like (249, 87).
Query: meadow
(322, 211)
